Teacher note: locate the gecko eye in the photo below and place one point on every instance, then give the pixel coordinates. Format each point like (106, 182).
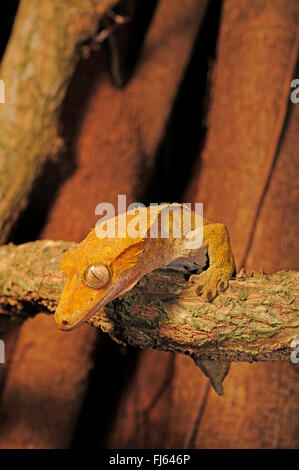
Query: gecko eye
(96, 276)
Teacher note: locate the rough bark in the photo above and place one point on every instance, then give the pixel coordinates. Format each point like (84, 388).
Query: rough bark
(254, 320)
(166, 404)
(247, 177)
(112, 139)
(37, 67)
(262, 37)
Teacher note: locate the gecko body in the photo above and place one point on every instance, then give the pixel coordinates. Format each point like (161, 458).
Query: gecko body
(99, 270)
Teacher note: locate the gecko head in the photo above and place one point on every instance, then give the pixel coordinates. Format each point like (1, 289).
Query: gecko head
(97, 271)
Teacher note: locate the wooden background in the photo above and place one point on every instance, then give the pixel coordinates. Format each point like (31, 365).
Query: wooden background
(204, 116)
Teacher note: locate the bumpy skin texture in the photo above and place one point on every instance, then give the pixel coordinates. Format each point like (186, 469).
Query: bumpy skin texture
(215, 279)
(129, 259)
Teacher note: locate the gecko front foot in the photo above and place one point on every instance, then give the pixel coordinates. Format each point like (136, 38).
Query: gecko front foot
(210, 282)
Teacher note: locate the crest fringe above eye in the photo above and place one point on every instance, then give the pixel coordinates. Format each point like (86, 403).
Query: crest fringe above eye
(130, 256)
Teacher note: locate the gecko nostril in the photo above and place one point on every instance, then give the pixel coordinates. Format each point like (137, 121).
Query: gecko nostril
(64, 322)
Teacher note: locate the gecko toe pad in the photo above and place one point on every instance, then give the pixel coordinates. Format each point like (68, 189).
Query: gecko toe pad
(209, 283)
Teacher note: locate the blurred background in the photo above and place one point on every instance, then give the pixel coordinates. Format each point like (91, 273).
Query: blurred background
(183, 102)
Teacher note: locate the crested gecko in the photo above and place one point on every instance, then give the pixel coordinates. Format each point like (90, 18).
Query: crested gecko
(99, 269)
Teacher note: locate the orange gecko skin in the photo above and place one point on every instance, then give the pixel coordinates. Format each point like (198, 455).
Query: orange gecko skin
(128, 259)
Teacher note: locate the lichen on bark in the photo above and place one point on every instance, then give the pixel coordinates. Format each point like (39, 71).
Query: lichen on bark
(256, 319)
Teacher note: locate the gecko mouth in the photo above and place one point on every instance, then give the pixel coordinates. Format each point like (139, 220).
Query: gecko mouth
(71, 322)
(67, 323)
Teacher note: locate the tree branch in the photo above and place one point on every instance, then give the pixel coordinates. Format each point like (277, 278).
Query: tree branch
(37, 67)
(254, 320)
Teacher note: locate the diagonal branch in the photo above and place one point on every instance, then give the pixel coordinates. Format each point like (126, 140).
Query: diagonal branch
(256, 319)
(37, 67)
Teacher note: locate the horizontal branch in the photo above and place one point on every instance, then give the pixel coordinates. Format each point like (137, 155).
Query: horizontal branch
(256, 319)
